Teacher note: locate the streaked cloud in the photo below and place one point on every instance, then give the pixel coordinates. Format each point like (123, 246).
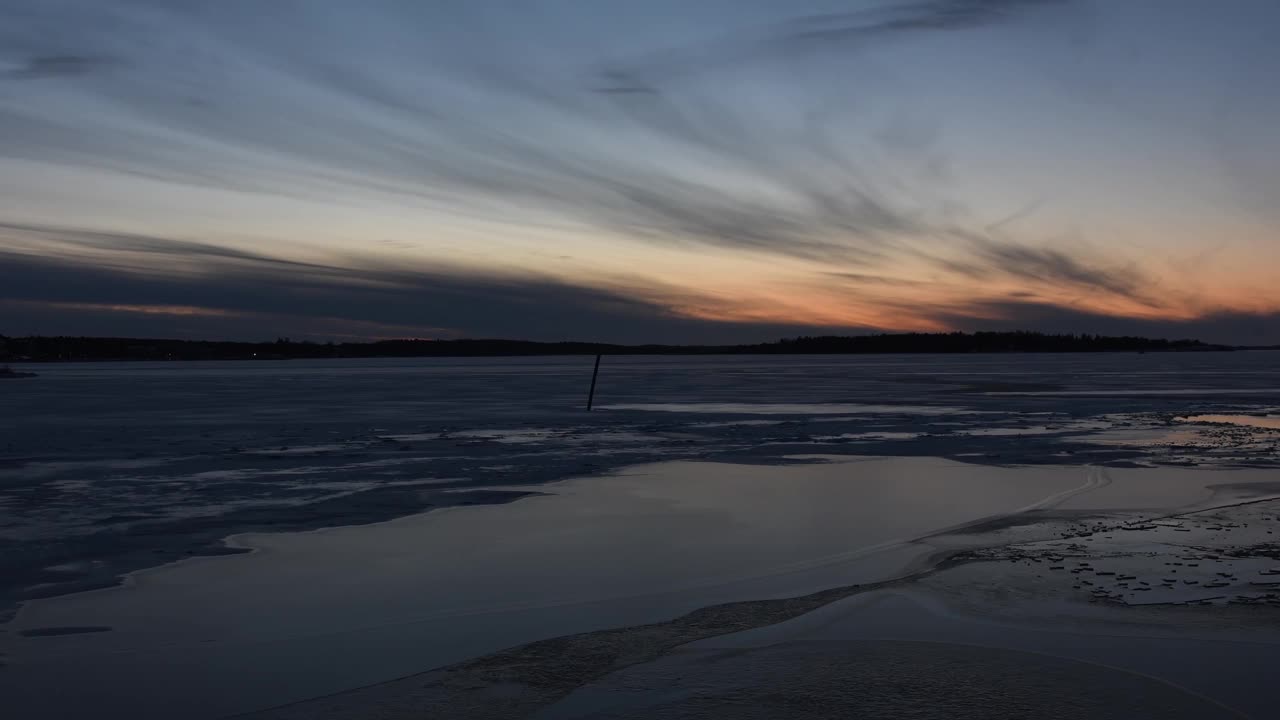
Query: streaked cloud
(47, 66)
(824, 163)
(842, 31)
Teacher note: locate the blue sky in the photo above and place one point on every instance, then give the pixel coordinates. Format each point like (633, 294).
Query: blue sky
(658, 171)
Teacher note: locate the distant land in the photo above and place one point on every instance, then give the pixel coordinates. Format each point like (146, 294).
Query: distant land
(82, 349)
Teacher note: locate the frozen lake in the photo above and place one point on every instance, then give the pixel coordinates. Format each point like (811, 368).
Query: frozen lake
(311, 613)
(698, 480)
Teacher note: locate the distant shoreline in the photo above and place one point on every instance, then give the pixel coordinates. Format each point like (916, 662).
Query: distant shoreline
(620, 353)
(41, 349)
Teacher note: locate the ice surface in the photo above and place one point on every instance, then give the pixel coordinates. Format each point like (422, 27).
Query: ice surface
(111, 468)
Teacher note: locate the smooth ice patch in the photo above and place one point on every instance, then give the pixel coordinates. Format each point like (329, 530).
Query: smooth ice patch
(872, 436)
(1258, 421)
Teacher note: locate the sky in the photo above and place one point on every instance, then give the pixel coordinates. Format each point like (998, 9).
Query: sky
(683, 171)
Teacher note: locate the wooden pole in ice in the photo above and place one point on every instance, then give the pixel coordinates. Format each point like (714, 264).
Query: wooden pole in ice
(591, 396)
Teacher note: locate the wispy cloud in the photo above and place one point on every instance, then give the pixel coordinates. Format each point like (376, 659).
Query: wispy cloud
(751, 129)
(843, 31)
(51, 66)
(277, 292)
(162, 310)
(71, 244)
(861, 279)
(495, 126)
(986, 256)
(238, 293)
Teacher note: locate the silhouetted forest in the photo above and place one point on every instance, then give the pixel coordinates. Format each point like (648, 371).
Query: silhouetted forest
(64, 349)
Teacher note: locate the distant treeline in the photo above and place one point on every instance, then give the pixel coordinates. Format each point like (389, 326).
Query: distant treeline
(64, 349)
